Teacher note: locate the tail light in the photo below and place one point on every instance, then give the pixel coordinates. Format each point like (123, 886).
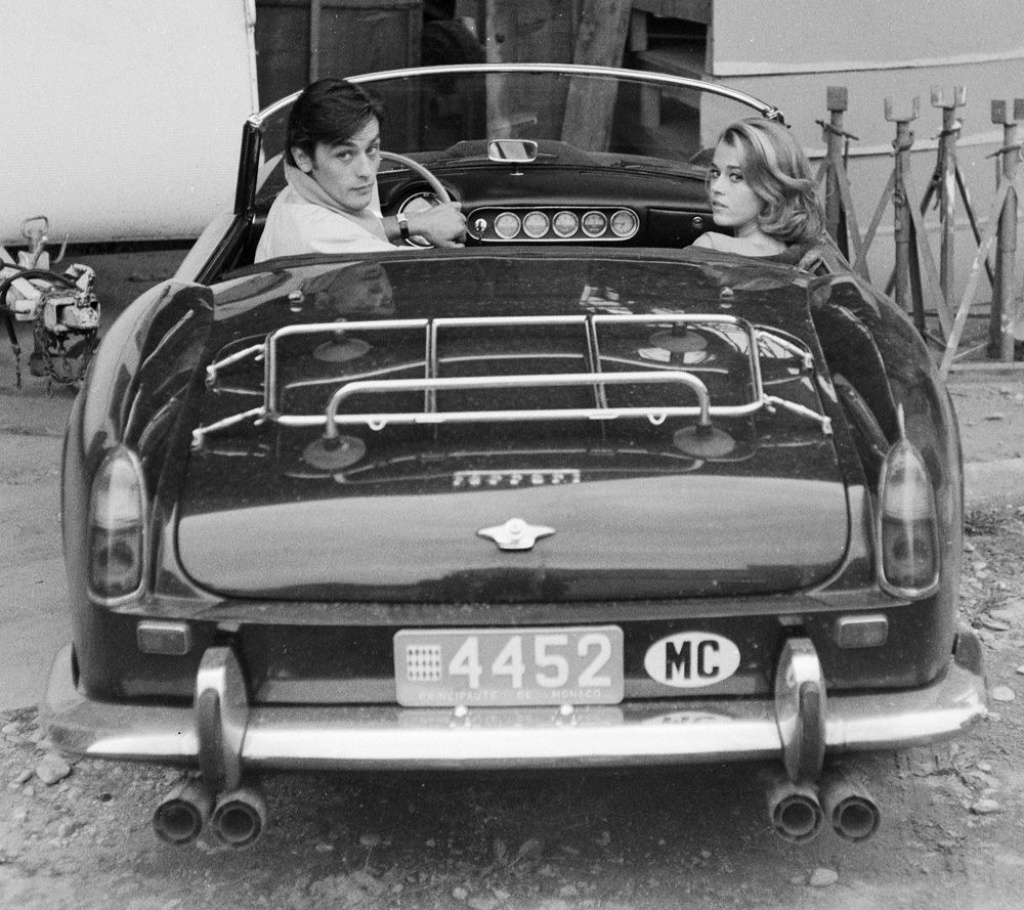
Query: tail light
(117, 529)
(908, 532)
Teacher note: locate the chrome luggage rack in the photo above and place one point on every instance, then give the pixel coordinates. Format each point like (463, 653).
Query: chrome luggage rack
(653, 373)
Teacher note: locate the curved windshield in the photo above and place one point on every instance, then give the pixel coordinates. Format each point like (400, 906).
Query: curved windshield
(575, 115)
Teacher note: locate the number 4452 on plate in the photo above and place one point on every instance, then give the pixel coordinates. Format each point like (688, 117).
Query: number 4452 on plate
(577, 665)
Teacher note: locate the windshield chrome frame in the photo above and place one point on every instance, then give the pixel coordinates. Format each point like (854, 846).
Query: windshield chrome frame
(252, 137)
(768, 111)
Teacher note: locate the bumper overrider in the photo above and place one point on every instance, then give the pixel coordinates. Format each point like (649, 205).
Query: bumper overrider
(225, 737)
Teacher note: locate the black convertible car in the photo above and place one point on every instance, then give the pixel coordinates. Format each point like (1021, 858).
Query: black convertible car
(574, 495)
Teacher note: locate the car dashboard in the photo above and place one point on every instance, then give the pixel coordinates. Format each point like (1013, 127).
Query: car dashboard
(560, 204)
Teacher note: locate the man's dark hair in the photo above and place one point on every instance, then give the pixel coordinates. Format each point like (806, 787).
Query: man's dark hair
(331, 111)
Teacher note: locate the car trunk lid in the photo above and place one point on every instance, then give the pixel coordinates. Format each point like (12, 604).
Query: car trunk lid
(552, 426)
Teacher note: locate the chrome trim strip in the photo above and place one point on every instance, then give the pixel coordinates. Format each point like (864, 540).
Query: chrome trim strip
(213, 369)
(681, 731)
(432, 382)
(200, 432)
(712, 88)
(772, 401)
(656, 414)
(801, 709)
(221, 711)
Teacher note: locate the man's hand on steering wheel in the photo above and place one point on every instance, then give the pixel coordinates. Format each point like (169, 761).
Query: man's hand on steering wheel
(441, 225)
(440, 222)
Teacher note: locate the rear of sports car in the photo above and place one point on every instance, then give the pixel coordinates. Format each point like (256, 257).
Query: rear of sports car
(477, 511)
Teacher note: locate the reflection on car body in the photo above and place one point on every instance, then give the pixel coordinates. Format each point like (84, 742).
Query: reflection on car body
(551, 499)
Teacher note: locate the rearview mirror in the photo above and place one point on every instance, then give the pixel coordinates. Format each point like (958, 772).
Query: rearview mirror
(514, 150)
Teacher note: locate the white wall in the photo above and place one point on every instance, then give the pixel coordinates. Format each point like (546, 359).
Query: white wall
(789, 51)
(753, 37)
(121, 119)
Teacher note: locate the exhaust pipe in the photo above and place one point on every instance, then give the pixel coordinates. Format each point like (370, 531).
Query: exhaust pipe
(240, 817)
(793, 809)
(850, 808)
(181, 815)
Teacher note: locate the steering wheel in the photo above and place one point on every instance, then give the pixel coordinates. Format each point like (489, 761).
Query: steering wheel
(421, 203)
(435, 184)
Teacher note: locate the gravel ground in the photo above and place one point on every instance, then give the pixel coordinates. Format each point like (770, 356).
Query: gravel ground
(78, 835)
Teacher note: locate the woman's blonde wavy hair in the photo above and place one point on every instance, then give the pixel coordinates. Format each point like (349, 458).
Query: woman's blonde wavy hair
(779, 173)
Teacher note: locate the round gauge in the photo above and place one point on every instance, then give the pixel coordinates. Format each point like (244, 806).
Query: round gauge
(566, 224)
(506, 225)
(535, 224)
(594, 224)
(625, 223)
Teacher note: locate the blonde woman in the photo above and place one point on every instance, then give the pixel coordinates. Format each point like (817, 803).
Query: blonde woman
(761, 188)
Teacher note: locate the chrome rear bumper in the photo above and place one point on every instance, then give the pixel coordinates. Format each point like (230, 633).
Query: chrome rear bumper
(224, 736)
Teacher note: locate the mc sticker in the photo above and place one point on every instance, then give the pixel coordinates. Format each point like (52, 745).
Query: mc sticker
(691, 660)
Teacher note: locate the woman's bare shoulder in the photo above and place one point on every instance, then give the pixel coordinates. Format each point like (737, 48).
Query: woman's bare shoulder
(743, 246)
(708, 240)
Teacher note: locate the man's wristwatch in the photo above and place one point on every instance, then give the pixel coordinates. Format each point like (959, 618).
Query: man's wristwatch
(403, 225)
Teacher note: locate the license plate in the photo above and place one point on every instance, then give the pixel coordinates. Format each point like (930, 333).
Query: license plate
(579, 665)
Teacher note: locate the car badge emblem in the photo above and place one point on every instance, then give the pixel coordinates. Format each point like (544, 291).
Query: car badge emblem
(516, 534)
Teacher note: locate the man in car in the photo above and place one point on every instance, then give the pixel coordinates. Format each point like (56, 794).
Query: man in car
(331, 203)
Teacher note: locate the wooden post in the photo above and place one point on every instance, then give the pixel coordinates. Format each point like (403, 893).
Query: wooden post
(836, 100)
(984, 248)
(601, 38)
(945, 177)
(840, 217)
(902, 223)
(1001, 328)
(601, 41)
(314, 40)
